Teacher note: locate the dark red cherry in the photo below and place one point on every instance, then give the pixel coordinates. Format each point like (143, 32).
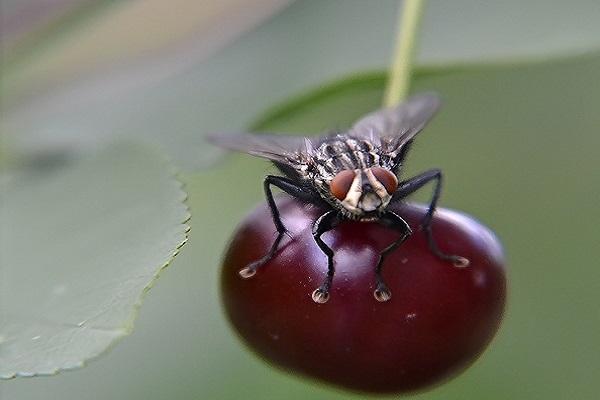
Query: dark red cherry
(439, 319)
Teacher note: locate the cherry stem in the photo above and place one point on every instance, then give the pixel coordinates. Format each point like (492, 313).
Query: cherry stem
(400, 73)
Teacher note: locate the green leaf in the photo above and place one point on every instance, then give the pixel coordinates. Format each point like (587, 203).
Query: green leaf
(78, 249)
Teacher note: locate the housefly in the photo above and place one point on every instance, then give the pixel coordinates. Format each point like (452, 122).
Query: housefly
(352, 175)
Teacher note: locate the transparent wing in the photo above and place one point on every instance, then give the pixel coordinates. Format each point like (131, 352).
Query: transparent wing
(393, 127)
(389, 128)
(283, 149)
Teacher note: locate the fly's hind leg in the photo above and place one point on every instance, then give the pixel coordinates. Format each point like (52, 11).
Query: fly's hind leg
(413, 184)
(393, 221)
(291, 188)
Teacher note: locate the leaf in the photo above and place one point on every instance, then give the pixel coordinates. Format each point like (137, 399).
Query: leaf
(78, 250)
(175, 100)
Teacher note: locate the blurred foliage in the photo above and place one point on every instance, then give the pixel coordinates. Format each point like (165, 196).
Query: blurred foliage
(174, 92)
(79, 249)
(518, 143)
(78, 38)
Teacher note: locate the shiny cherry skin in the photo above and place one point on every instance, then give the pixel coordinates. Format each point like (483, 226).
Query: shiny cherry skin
(439, 319)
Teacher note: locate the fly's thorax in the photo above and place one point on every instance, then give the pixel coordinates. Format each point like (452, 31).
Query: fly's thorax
(341, 152)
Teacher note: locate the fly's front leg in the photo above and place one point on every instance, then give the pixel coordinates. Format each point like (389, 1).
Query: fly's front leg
(325, 223)
(392, 221)
(413, 184)
(293, 189)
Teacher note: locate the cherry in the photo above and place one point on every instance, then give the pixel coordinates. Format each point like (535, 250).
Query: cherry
(438, 320)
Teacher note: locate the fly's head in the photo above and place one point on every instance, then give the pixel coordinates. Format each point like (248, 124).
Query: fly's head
(353, 177)
(363, 193)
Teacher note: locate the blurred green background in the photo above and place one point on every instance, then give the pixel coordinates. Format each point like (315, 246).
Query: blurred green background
(518, 139)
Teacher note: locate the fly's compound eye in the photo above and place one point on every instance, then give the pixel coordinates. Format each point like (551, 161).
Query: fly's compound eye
(341, 183)
(386, 178)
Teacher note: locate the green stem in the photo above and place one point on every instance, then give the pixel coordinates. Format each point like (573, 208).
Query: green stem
(399, 79)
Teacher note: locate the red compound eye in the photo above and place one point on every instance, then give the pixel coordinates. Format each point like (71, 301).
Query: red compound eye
(386, 178)
(340, 185)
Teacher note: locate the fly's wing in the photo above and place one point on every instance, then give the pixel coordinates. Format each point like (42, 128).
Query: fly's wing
(281, 149)
(391, 128)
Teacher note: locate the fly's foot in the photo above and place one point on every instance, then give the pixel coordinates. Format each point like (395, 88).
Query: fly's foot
(457, 261)
(460, 262)
(382, 293)
(250, 270)
(247, 272)
(320, 295)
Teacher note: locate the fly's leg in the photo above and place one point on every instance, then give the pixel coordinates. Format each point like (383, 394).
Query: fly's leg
(413, 184)
(392, 221)
(291, 188)
(325, 223)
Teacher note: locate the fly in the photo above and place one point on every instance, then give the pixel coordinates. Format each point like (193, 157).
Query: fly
(353, 176)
